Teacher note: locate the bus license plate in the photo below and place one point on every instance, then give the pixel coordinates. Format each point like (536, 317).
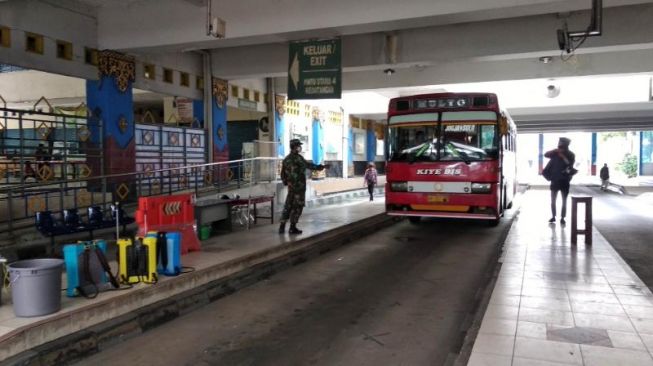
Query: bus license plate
(437, 199)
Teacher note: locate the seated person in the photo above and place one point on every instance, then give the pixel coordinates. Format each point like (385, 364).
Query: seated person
(29, 172)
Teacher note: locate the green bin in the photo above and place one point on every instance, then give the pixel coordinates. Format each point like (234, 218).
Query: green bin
(205, 232)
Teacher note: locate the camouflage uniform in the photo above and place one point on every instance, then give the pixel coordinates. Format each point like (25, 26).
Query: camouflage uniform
(293, 174)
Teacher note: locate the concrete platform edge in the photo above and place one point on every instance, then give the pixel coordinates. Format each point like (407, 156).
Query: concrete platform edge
(175, 299)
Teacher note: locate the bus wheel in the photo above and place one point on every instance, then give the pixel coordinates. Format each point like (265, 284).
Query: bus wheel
(414, 219)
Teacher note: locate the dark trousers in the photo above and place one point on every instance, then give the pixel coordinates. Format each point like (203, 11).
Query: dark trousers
(293, 207)
(370, 189)
(561, 186)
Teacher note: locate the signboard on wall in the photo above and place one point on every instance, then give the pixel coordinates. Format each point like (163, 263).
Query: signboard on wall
(247, 104)
(315, 70)
(185, 110)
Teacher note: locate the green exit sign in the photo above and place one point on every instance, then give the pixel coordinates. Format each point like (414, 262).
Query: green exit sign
(315, 70)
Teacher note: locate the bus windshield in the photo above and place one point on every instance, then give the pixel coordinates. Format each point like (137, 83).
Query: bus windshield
(450, 141)
(469, 141)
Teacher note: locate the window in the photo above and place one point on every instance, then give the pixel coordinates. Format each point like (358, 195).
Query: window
(90, 56)
(199, 82)
(64, 50)
(5, 36)
(234, 91)
(184, 79)
(34, 43)
(168, 75)
(359, 143)
(245, 93)
(149, 71)
(257, 96)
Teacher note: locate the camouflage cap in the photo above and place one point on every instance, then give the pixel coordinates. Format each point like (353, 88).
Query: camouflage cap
(295, 142)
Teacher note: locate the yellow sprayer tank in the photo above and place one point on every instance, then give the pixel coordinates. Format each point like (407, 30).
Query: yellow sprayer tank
(137, 260)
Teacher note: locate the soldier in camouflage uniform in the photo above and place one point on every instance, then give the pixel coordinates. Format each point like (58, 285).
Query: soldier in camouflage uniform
(293, 175)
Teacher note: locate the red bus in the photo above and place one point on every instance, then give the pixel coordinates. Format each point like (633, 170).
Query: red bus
(450, 155)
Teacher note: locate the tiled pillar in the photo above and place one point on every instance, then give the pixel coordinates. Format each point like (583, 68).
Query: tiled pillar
(111, 104)
(540, 153)
(594, 147)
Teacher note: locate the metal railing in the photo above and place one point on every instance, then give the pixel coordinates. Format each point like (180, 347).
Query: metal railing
(41, 146)
(21, 202)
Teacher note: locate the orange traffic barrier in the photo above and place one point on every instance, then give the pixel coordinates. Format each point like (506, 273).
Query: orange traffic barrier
(169, 213)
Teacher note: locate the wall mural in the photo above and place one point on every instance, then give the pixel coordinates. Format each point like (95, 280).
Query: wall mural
(119, 66)
(219, 133)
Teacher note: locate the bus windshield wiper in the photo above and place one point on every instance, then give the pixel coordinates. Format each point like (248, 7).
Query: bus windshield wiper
(459, 153)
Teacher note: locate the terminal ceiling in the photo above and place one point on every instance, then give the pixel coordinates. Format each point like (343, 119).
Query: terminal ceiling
(438, 41)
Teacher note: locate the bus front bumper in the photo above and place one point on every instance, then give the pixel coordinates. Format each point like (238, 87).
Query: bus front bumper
(451, 215)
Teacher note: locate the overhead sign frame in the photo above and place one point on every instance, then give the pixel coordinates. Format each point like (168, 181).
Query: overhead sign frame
(315, 69)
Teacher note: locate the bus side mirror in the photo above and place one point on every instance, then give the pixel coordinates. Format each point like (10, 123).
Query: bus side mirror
(503, 126)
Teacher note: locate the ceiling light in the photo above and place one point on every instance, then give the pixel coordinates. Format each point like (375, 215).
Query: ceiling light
(552, 90)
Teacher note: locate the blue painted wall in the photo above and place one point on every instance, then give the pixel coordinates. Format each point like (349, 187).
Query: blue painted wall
(103, 96)
(198, 112)
(594, 148)
(279, 132)
(371, 145)
(317, 153)
(219, 133)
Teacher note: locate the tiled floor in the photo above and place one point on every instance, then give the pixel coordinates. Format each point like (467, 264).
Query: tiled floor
(559, 304)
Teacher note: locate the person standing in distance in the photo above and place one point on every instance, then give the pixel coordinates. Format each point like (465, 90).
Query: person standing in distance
(605, 177)
(293, 175)
(370, 179)
(562, 162)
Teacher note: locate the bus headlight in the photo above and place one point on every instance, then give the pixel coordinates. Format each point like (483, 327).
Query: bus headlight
(481, 187)
(399, 186)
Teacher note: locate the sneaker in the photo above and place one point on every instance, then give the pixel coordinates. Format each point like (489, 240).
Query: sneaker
(282, 228)
(562, 221)
(553, 219)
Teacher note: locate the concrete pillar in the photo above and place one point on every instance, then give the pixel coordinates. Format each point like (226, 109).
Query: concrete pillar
(346, 154)
(198, 113)
(219, 136)
(111, 104)
(641, 153)
(594, 147)
(540, 153)
(317, 153)
(280, 125)
(370, 153)
(350, 152)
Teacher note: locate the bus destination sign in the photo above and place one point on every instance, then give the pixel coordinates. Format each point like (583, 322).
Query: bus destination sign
(441, 103)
